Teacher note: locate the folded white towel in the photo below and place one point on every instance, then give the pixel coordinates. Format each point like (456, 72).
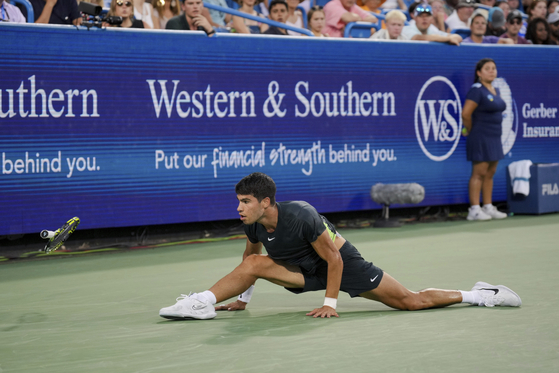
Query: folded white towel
(519, 172)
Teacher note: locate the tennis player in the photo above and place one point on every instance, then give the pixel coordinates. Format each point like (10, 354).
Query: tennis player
(305, 253)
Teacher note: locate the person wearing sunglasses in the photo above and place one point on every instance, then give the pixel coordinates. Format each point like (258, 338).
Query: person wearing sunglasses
(124, 9)
(341, 12)
(513, 25)
(57, 12)
(10, 13)
(421, 30)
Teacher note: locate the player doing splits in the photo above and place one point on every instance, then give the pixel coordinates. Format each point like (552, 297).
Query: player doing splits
(305, 253)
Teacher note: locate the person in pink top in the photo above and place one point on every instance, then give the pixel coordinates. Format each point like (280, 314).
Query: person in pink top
(341, 12)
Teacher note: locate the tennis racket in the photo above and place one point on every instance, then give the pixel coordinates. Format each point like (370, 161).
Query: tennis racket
(59, 236)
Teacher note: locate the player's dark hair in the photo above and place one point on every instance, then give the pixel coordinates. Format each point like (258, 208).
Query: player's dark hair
(258, 185)
(480, 65)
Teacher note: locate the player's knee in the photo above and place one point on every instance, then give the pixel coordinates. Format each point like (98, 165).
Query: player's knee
(255, 264)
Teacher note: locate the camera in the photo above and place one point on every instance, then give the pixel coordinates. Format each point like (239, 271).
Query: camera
(93, 14)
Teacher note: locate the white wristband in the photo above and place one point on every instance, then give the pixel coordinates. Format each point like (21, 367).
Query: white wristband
(245, 297)
(331, 302)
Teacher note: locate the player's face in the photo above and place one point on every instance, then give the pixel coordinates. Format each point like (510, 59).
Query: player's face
(250, 209)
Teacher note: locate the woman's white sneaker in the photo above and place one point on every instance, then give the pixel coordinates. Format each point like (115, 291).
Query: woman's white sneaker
(476, 213)
(493, 212)
(189, 307)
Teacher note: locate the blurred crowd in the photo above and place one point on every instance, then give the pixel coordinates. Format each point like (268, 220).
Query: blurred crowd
(446, 21)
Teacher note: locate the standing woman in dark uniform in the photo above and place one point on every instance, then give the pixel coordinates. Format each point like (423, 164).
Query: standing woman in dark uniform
(482, 116)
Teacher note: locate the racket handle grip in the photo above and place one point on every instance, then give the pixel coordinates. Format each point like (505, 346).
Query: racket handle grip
(45, 234)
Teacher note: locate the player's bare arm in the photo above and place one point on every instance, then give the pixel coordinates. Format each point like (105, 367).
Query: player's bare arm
(328, 251)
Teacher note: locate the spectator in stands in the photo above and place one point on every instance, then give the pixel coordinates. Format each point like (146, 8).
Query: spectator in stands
(513, 25)
(461, 16)
(248, 26)
(478, 25)
(124, 9)
(514, 4)
(316, 20)
(278, 12)
(372, 6)
(450, 6)
(505, 7)
(294, 16)
(553, 20)
(537, 9)
(58, 12)
(489, 3)
(143, 11)
(101, 3)
(439, 15)
(192, 19)
(393, 4)
(424, 30)
(11, 13)
(341, 12)
(163, 11)
(395, 20)
(218, 18)
(496, 22)
(538, 32)
(552, 6)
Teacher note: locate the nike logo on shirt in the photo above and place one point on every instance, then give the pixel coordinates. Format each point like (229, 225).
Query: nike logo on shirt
(373, 279)
(271, 239)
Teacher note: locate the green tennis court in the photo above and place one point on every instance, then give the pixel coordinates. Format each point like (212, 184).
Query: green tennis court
(99, 313)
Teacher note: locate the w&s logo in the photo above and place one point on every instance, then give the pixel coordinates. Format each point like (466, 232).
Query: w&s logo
(438, 118)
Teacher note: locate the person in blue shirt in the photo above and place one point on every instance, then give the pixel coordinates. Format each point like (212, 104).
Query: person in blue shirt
(482, 116)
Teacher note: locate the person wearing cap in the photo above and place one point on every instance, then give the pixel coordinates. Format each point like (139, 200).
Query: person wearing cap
(341, 12)
(461, 16)
(424, 30)
(513, 25)
(495, 22)
(477, 27)
(553, 20)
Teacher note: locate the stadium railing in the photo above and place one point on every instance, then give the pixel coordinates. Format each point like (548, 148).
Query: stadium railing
(29, 8)
(258, 19)
(360, 29)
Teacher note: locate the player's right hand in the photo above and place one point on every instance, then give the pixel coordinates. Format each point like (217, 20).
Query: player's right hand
(234, 306)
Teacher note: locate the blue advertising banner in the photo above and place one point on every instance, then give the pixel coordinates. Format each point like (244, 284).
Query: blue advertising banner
(125, 128)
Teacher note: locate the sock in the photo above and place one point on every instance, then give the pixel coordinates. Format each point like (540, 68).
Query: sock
(206, 296)
(487, 206)
(471, 297)
(475, 207)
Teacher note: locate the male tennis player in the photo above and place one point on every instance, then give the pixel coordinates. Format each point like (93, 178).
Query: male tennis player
(305, 253)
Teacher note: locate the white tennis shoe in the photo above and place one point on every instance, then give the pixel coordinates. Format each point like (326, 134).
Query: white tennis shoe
(493, 212)
(477, 214)
(188, 307)
(496, 295)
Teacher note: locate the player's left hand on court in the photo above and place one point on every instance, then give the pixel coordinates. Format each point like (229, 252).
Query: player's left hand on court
(233, 306)
(323, 312)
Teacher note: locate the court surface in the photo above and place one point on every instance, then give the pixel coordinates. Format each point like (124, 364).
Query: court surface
(99, 313)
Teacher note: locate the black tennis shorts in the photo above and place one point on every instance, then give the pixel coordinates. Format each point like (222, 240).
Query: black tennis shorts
(358, 276)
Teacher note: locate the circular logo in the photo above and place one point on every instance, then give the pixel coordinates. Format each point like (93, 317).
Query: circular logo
(438, 118)
(509, 124)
